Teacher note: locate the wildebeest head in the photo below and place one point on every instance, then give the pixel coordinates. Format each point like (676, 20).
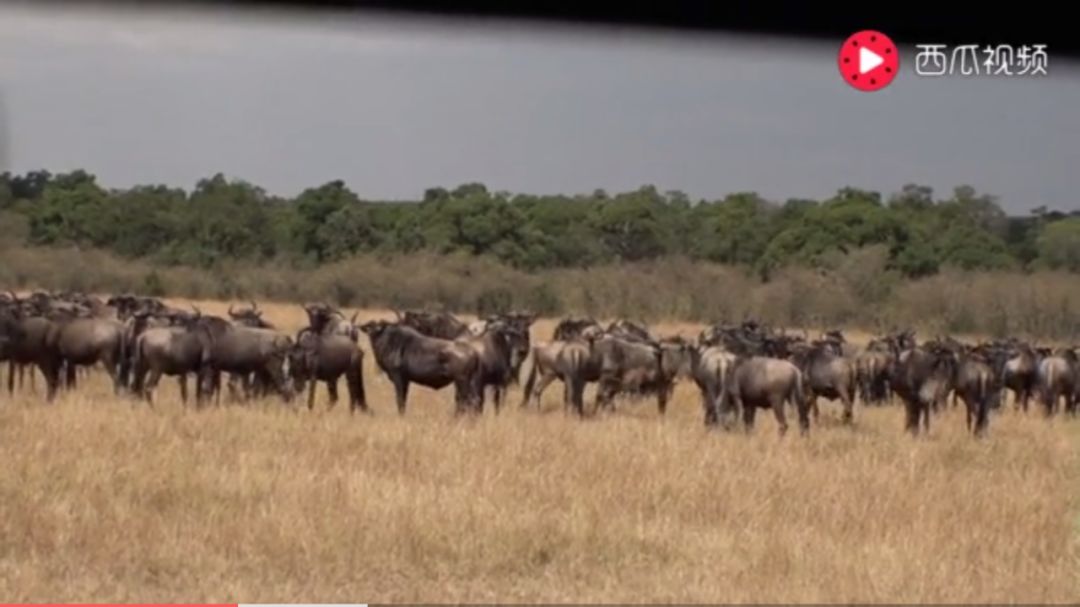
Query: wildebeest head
(11, 330)
(319, 315)
(250, 317)
(676, 356)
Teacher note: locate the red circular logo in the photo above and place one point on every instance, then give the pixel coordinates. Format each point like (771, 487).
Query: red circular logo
(868, 60)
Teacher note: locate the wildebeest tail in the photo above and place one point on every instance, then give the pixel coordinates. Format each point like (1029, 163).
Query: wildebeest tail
(798, 394)
(530, 382)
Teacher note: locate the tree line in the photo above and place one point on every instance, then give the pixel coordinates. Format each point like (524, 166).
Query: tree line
(222, 220)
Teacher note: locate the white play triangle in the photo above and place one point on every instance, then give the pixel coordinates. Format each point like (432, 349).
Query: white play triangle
(868, 60)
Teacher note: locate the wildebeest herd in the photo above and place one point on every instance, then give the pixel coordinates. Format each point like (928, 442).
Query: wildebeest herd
(737, 367)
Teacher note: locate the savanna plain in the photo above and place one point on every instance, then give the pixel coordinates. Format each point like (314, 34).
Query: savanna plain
(103, 498)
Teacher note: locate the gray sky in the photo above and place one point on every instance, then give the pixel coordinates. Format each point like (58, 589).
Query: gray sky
(394, 106)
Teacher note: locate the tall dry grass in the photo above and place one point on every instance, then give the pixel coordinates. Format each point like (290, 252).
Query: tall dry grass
(104, 499)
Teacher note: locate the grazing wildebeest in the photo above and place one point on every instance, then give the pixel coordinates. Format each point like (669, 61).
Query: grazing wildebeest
(764, 382)
(326, 357)
(638, 368)
(408, 356)
(242, 351)
(922, 378)
(1057, 380)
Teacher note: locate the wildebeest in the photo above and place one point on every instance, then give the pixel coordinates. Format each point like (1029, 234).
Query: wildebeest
(1057, 381)
(576, 364)
(241, 351)
(922, 378)
(1021, 373)
(763, 382)
(170, 350)
(87, 341)
(638, 367)
(974, 383)
(317, 357)
(326, 320)
(501, 348)
(709, 367)
(872, 369)
(408, 356)
(827, 373)
(545, 357)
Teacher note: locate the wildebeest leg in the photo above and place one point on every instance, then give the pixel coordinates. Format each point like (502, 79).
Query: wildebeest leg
(911, 415)
(401, 392)
(778, 411)
(605, 395)
(50, 368)
(575, 388)
(114, 374)
(748, 413)
(357, 399)
(312, 383)
(70, 374)
(982, 417)
(709, 402)
(11, 377)
(813, 404)
(534, 393)
(151, 385)
(234, 381)
(847, 398)
(182, 381)
(331, 389)
(499, 393)
(661, 400)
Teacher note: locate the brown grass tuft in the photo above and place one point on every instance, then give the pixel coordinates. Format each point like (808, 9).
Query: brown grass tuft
(103, 499)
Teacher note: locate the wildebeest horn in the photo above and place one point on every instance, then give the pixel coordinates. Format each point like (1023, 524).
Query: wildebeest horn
(231, 313)
(197, 310)
(14, 297)
(254, 306)
(354, 315)
(398, 314)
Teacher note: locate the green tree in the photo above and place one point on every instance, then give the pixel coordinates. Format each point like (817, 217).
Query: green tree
(1059, 245)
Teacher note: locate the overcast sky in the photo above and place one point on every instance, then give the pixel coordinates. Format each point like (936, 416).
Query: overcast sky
(394, 106)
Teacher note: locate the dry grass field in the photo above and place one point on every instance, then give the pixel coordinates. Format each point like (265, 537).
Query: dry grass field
(104, 499)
